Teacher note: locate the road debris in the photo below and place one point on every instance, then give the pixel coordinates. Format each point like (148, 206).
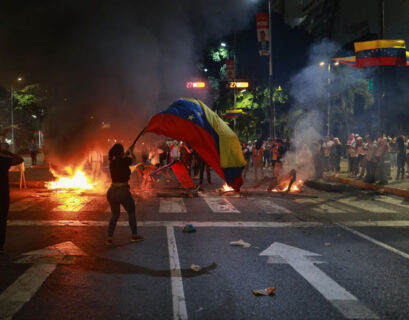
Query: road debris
(189, 228)
(240, 243)
(195, 267)
(264, 292)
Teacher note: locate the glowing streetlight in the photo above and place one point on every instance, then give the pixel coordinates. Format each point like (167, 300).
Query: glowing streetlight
(205, 69)
(223, 44)
(322, 63)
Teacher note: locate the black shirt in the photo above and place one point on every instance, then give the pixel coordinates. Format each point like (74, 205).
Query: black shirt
(5, 164)
(119, 169)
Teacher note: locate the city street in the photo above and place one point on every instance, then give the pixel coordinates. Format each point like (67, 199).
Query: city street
(329, 255)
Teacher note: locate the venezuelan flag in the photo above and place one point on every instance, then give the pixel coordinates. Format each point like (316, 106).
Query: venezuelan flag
(232, 114)
(191, 121)
(380, 53)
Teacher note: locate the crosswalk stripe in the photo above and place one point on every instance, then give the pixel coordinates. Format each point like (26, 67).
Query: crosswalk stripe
(320, 206)
(72, 204)
(220, 205)
(269, 206)
(23, 204)
(172, 205)
(365, 205)
(392, 200)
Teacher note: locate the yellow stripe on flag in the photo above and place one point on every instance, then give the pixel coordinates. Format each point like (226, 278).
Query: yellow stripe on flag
(379, 44)
(231, 155)
(349, 59)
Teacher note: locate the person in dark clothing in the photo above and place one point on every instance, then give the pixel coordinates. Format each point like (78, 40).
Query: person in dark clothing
(203, 165)
(335, 156)
(33, 153)
(7, 159)
(400, 157)
(119, 192)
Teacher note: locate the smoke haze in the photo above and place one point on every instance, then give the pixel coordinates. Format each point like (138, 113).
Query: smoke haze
(117, 62)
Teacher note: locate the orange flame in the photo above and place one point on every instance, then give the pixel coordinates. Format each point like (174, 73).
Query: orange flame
(226, 188)
(283, 186)
(76, 181)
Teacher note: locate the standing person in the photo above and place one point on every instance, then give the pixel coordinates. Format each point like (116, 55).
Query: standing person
(96, 160)
(335, 156)
(203, 165)
(317, 157)
(154, 156)
(370, 160)
(186, 157)
(381, 153)
(400, 157)
(326, 147)
(119, 192)
(258, 159)
(246, 153)
(7, 159)
(33, 152)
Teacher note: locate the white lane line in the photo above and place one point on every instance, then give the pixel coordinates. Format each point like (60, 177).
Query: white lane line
(377, 242)
(220, 205)
(178, 295)
(210, 224)
(172, 205)
(23, 289)
(365, 205)
(269, 206)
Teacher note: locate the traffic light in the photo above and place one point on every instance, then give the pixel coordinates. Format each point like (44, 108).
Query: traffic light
(195, 85)
(238, 84)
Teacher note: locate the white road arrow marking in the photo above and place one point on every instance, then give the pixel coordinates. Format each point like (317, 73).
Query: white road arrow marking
(44, 263)
(301, 261)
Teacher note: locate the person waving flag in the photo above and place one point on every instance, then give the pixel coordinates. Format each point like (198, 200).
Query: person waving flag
(191, 121)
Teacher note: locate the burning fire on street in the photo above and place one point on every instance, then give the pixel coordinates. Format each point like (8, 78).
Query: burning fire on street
(75, 180)
(227, 188)
(283, 186)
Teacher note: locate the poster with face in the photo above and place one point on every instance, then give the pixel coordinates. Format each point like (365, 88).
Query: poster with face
(263, 34)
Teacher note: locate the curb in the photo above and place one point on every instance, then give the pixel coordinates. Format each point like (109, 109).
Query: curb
(371, 186)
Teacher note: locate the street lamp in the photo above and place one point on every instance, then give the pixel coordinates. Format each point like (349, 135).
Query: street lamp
(19, 79)
(322, 64)
(223, 44)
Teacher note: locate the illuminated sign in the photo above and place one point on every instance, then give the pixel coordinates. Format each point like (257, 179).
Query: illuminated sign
(238, 84)
(195, 85)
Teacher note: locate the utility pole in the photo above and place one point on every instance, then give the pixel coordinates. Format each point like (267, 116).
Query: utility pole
(381, 69)
(12, 119)
(270, 77)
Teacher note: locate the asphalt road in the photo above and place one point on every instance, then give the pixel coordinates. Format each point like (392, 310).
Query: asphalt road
(328, 255)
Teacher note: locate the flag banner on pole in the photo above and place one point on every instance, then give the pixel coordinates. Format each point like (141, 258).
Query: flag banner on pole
(191, 121)
(380, 53)
(377, 53)
(230, 69)
(262, 27)
(180, 172)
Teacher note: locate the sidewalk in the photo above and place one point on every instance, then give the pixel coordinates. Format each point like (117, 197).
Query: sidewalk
(397, 187)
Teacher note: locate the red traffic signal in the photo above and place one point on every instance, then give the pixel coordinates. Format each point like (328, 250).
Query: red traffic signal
(238, 84)
(199, 84)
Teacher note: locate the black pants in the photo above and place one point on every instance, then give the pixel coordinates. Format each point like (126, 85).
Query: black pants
(370, 171)
(33, 157)
(118, 196)
(335, 163)
(380, 170)
(400, 162)
(204, 165)
(4, 209)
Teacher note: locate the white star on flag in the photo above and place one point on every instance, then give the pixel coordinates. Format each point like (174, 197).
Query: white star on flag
(191, 117)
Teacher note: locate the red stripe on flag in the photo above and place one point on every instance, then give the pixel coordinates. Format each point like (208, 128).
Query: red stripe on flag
(182, 175)
(381, 61)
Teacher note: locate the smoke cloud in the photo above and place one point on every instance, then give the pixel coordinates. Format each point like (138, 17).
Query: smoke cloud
(115, 62)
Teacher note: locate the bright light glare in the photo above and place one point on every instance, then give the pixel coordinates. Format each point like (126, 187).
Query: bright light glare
(336, 63)
(205, 69)
(19, 79)
(322, 63)
(223, 44)
(34, 116)
(244, 90)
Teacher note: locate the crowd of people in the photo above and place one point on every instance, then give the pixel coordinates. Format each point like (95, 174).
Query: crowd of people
(370, 158)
